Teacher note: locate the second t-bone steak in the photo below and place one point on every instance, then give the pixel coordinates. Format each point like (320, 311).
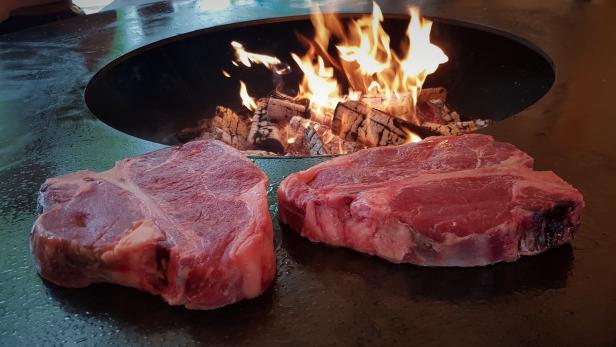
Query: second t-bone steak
(188, 223)
(446, 201)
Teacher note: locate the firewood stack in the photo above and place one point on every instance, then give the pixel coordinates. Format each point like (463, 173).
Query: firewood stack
(356, 121)
(264, 133)
(283, 125)
(225, 126)
(433, 114)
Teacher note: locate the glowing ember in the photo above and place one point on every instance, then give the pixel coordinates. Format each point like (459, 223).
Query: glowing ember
(247, 100)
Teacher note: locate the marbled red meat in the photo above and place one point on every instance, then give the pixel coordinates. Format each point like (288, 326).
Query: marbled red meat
(188, 223)
(446, 201)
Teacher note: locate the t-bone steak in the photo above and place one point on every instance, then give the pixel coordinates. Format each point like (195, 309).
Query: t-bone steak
(446, 201)
(188, 223)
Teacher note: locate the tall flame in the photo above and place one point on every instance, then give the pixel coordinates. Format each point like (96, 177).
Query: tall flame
(247, 100)
(373, 69)
(368, 61)
(372, 54)
(319, 85)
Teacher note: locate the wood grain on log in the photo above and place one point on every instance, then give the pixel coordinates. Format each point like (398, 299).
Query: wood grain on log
(231, 129)
(436, 111)
(400, 106)
(265, 134)
(295, 136)
(314, 142)
(225, 126)
(457, 128)
(281, 111)
(356, 121)
(324, 117)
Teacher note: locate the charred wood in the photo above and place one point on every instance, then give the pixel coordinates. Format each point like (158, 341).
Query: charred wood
(314, 142)
(230, 128)
(436, 111)
(428, 94)
(295, 136)
(281, 111)
(321, 141)
(457, 128)
(225, 126)
(400, 106)
(323, 117)
(265, 134)
(356, 121)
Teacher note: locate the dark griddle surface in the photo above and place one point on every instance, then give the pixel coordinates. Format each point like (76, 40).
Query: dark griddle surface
(322, 295)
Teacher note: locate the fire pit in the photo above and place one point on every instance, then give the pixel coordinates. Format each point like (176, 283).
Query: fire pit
(202, 84)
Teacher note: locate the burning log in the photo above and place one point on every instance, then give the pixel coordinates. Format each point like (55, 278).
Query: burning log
(230, 128)
(435, 111)
(324, 117)
(429, 94)
(400, 106)
(225, 126)
(304, 139)
(307, 137)
(314, 142)
(295, 136)
(457, 127)
(281, 111)
(356, 121)
(436, 116)
(281, 95)
(319, 140)
(265, 134)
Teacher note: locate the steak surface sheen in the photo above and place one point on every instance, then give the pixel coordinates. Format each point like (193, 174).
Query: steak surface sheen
(446, 201)
(188, 223)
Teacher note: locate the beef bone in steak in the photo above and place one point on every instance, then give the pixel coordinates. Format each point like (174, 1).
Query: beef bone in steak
(188, 223)
(446, 201)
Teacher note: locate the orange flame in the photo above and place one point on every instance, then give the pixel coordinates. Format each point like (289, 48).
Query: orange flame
(247, 100)
(319, 84)
(369, 63)
(375, 72)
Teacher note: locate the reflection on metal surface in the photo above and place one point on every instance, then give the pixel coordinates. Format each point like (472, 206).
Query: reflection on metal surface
(528, 275)
(92, 6)
(215, 5)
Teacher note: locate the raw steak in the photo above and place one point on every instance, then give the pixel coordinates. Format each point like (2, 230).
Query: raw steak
(446, 201)
(188, 223)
